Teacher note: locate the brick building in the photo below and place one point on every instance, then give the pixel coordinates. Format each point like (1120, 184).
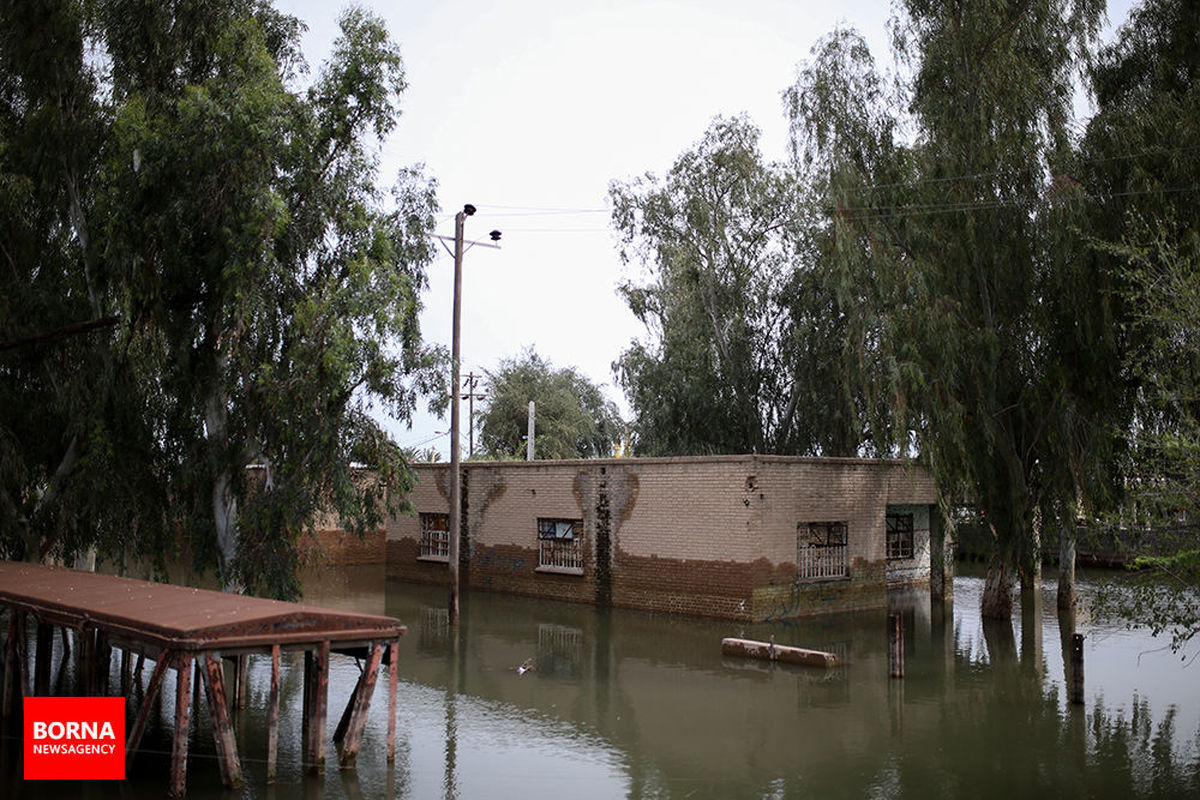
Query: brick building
(744, 537)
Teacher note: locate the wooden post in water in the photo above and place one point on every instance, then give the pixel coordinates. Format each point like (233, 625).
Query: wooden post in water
(1077, 669)
(896, 645)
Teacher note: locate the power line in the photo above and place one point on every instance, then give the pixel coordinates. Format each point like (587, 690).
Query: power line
(879, 214)
(558, 230)
(545, 209)
(430, 440)
(551, 213)
(982, 175)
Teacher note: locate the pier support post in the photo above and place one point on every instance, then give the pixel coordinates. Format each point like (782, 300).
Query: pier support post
(360, 701)
(273, 717)
(103, 663)
(183, 721)
(87, 659)
(43, 659)
(393, 665)
(14, 665)
(126, 670)
(218, 707)
(134, 737)
(240, 666)
(316, 692)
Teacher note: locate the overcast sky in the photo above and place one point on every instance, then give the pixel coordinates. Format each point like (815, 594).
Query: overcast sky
(528, 109)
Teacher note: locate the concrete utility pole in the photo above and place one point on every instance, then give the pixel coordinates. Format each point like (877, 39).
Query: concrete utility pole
(455, 427)
(529, 434)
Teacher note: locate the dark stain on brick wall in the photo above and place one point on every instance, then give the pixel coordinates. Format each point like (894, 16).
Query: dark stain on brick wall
(492, 489)
(441, 479)
(511, 569)
(702, 588)
(623, 494)
(403, 563)
(464, 526)
(603, 568)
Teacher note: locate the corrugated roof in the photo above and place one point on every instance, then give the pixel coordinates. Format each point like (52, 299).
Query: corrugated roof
(179, 617)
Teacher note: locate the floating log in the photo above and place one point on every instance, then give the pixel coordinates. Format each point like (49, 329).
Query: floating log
(769, 651)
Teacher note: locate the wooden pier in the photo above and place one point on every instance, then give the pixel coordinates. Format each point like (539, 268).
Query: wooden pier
(186, 630)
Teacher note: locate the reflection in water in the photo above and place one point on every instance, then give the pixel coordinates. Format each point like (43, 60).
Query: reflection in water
(634, 705)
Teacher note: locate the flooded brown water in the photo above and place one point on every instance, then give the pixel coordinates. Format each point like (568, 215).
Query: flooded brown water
(631, 705)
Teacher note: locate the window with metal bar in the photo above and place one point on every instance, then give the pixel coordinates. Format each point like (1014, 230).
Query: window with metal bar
(821, 551)
(899, 536)
(435, 537)
(560, 545)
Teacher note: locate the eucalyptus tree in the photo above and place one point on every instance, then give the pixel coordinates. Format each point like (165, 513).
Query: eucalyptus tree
(573, 419)
(995, 340)
(1007, 338)
(78, 464)
(844, 149)
(745, 343)
(1138, 162)
(267, 287)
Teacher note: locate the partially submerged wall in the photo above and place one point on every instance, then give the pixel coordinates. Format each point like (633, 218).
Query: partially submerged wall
(711, 536)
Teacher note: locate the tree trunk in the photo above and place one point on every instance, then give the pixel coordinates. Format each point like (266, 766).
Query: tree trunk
(224, 505)
(224, 501)
(997, 600)
(1031, 565)
(1066, 571)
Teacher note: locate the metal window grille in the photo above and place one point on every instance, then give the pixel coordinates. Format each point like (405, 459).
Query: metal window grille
(559, 545)
(821, 551)
(899, 536)
(435, 536)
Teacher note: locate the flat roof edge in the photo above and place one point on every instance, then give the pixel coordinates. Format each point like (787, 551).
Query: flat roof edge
(717, 459)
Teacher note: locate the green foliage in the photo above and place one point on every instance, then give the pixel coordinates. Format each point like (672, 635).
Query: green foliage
(267, 287)
(745, 345)
(958, 245)
(1162, 594)
(573, 419)
(1140, 158)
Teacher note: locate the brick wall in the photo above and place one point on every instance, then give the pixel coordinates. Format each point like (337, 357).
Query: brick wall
(431, 495)
(711, 536)
(334, 547)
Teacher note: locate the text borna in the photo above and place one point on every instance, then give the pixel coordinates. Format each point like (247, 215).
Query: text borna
(84, 731)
